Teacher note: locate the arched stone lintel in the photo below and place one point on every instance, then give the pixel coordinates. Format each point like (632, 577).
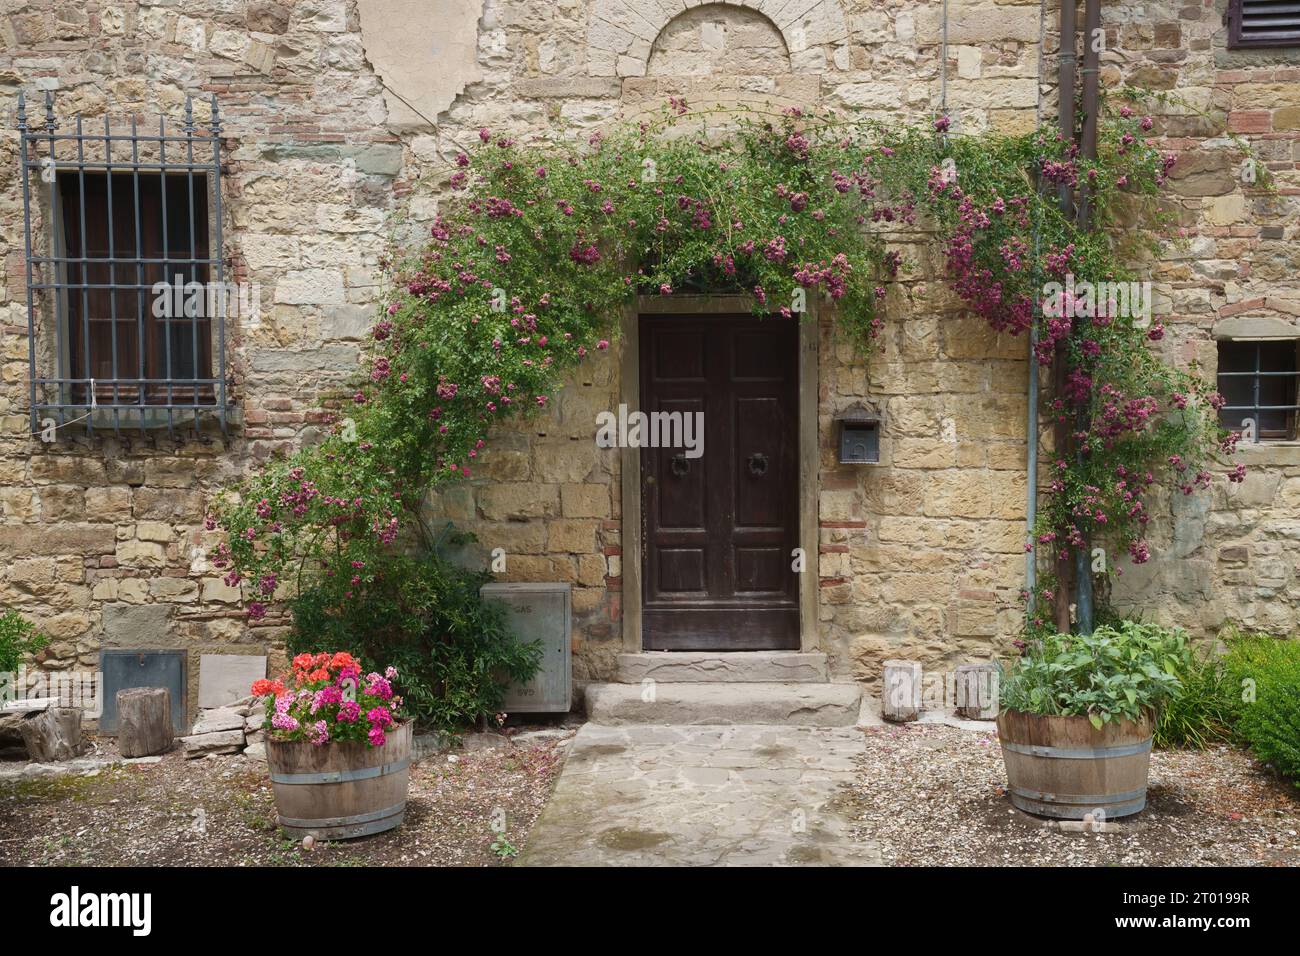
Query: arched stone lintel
(621, 33)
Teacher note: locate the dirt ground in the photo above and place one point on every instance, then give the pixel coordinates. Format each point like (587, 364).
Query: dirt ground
(934, 796)
(219, 811)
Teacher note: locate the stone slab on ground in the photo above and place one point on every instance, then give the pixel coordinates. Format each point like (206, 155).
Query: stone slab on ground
(814, 705)
(742, 666)
(78, 766)
(950, 718)
(212, 721)
(705, 795)
(216, 742)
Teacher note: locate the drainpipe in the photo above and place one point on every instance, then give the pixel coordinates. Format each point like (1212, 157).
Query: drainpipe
(1088, 148)
(1065, 90)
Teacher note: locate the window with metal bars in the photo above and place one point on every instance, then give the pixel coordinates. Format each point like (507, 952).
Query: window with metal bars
(1262, 23)
(126, 289)
(1257, 380)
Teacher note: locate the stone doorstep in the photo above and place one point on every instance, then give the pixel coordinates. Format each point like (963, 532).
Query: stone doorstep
(735, 667)
(771, 702)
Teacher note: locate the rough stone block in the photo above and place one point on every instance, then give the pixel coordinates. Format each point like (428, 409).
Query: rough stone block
(219, 742)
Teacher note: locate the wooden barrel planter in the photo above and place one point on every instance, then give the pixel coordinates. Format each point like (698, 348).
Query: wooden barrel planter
(1063, 767)
(340, 790)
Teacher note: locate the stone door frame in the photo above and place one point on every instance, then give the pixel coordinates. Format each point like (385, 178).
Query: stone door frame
(629, 393)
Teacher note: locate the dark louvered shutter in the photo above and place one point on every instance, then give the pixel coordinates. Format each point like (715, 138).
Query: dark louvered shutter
(1263, 23)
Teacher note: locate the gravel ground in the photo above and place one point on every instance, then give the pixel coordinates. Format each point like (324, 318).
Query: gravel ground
(934, 796)
(219, 811)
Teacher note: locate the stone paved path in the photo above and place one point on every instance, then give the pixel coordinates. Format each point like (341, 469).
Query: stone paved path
(649, 795)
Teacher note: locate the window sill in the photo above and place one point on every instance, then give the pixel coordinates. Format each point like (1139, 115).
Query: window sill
(1268, 453)
(136, 418)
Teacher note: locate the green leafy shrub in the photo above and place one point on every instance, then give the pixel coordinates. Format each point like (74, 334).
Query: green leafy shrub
(1117, 672)
(1203, 713)
(454, 652)
(1263, 675)
(18, 637)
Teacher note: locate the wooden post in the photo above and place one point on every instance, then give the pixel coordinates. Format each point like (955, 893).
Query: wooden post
(53, 734)
(977, 691)
(901, 695)
(144, 721)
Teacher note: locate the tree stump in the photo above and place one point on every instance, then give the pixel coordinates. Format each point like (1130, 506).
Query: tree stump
(144, 721)
(901, 696)
(53, 734)
(977, 691)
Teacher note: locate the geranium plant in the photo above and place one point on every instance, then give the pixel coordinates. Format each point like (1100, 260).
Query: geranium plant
(331, 700)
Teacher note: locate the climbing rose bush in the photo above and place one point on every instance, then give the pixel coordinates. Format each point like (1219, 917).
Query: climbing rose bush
(330, 699)
(542, 242)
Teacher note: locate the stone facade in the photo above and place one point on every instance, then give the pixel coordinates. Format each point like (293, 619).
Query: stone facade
(334, 123)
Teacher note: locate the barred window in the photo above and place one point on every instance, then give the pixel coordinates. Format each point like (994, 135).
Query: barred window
(1258, 382)
(127, 307)
(1262, 23)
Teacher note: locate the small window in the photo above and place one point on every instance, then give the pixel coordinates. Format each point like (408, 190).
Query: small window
(126, 292)
(1258, 382)
(125, 310)
(1263, 23)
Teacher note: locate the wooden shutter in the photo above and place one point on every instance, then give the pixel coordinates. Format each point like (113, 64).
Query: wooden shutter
(1253, 23)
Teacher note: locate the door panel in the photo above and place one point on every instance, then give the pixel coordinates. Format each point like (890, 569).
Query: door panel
(719, 529)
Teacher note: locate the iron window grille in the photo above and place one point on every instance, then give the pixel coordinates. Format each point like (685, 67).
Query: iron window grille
(1258, 380)
(1263, 23)
(126, 313)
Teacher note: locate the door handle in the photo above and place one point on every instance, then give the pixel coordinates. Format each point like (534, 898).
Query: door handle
(758, 464)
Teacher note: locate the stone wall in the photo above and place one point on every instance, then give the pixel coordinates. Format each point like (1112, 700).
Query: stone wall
(335, 121)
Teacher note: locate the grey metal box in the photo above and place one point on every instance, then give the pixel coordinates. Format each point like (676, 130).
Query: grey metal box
(539, 612)
(138, 668)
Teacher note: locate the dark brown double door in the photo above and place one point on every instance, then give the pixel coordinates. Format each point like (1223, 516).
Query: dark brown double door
(719, 529)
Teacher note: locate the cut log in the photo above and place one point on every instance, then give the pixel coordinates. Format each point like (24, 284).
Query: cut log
(11, 731)
(977, 691)
(144, 721)
(53, 734)
(901, 695)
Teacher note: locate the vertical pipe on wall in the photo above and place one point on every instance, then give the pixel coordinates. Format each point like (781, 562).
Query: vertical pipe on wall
(1031, 419)
(1060, 434)
(1092, 43)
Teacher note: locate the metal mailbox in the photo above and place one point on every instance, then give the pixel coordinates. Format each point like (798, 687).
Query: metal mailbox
(859, 429)
(539, 612)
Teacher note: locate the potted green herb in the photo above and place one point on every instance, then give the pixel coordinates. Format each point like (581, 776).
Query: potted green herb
(1076, 718)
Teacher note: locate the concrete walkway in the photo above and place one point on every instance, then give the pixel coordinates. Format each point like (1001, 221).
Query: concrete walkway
(701, 795)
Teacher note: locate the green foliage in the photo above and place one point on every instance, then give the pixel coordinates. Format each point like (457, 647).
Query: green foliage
(1262, 674)
(453, 652)
(18, 638)
(1203, 713)
(1119, 672)
(503, 848)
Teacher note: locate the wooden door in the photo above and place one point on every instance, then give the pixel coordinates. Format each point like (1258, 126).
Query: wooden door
(718, 530)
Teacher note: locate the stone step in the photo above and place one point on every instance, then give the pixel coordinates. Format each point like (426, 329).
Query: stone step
(746, 667)
(806, 704)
